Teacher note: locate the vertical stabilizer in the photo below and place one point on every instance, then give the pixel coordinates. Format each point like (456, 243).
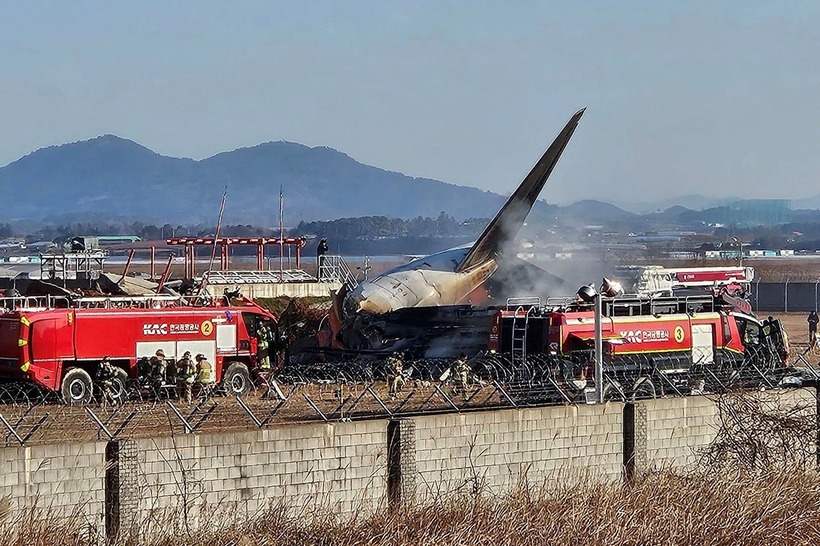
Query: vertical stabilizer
(510, 218)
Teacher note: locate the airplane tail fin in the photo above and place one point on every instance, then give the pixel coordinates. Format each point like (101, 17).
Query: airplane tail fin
(510, 218)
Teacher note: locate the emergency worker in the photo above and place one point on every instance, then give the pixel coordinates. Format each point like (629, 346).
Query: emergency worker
(204, 375)
(170, 371)
(263, 335)
(144, 370)
(158, 367)
(813, 319)
(186, 373)
(105, 379)
(321, 250)
(461, 372)
(395, 373)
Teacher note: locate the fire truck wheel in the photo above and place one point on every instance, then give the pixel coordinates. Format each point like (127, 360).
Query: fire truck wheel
(236, 379)
(119, 390)
(76, 388)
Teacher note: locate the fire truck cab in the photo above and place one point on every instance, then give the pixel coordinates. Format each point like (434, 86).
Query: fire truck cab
(59, 348)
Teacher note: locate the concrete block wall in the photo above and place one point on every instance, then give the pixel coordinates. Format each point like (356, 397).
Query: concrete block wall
(671, 432)
(675, 429)
(357, 466)
(60, 480)
(803, 398)
(493, 451)
(339, 466)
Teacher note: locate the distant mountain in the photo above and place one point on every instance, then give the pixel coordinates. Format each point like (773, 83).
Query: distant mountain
(115, 178)
(109, 178)
(692, 202)
(595, 212)
(671, 215)
(809, 203)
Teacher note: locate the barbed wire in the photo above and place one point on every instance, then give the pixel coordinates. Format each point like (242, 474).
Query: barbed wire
(362, 387)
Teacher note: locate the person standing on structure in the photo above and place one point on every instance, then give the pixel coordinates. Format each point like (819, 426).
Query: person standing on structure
(321, 250)
(813, 319)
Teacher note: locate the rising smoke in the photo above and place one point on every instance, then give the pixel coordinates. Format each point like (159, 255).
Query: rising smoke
(528, 265)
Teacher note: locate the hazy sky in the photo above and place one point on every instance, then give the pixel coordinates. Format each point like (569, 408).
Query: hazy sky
(719, 98)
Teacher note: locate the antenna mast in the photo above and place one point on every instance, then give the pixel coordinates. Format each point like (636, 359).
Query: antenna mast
(281, 234)
(218, 228)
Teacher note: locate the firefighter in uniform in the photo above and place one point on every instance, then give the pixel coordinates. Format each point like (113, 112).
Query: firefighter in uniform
(105, 379)
(185, 376)
(158, 366)
(144, 370)
(204, 375)
(395, 373)
(462, 372)
(262, 347)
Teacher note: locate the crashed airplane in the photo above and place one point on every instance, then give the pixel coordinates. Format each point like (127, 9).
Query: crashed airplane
(448, 278)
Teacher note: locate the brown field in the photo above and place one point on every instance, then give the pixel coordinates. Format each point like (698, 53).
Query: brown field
(798, 332)
(305, 403)
(794, 270)
(796, 326)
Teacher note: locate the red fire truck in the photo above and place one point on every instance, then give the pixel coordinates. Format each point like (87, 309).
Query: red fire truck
(59, 348)
(654, 280)
(654, 342)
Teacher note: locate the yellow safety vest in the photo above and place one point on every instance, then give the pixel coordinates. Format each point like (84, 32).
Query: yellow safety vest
(186, 371)
(204, 375)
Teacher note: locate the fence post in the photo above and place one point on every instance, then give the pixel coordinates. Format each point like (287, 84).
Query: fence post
(757, 296)
(401, 463)
(786, 296)
(112, 490)
(634, 437)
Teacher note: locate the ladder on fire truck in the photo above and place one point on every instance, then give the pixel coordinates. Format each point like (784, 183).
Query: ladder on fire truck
(663, 281)
(524, 308)
(94, 302)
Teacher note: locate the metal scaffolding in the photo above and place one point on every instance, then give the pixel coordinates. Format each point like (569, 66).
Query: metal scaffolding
(224, 244)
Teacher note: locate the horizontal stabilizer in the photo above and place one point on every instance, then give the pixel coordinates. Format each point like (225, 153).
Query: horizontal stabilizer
(507, 223)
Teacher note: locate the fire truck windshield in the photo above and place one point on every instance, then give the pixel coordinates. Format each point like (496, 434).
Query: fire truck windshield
(749, 331)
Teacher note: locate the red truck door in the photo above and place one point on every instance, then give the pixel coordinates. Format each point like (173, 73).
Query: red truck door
(703, 343)
(50, 344)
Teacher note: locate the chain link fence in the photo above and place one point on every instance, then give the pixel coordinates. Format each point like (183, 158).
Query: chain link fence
(785, 297)
(363, 388)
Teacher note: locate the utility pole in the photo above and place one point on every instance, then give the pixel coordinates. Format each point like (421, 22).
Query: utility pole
(599, 351)
(281, 233)
(740, 252)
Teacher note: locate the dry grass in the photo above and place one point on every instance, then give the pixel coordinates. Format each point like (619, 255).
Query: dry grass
(756, 483)
(662, 508)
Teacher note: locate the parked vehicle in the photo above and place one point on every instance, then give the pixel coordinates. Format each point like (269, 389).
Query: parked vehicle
(59, 345)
